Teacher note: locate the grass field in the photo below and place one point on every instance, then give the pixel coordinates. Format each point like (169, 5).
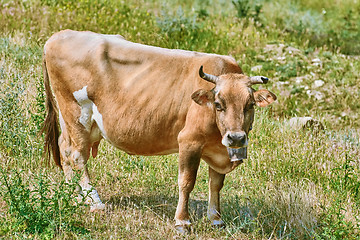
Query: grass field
(294, 184)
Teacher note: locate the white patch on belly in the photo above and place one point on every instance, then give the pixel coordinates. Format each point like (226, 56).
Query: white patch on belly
(97, 117)
(62, 122)
(89, 112)
(86, 107)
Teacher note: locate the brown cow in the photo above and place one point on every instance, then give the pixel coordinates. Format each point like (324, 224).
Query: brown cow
(149, 101)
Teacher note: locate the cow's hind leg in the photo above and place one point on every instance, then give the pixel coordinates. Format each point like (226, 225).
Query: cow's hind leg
(75, 143)
(65, 150)
(80, 157)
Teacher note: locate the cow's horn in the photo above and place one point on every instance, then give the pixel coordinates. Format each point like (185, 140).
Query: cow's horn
(258, 80)
(207, 77)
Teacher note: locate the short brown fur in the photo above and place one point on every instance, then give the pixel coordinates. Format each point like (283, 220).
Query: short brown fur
(151, 101)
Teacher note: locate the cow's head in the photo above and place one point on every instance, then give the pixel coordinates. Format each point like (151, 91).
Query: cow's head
(233, 100)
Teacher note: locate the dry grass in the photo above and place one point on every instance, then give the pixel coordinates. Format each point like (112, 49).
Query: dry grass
(294, 185)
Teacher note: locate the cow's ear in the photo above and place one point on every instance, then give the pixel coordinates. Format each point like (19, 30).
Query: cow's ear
(264, 97)
(202, 96)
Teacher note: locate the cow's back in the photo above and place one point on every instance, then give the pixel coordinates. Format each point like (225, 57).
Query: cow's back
(143, 93)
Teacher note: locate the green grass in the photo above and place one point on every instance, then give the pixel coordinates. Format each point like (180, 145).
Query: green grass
(294, 185)
(36, 206)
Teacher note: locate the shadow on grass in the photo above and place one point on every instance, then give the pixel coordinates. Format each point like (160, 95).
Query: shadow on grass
(282, 219)
(253, 216)
(161, 205)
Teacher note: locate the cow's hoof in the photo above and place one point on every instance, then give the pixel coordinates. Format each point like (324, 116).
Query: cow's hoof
(183, 229)
(98, 207)
(218, 224)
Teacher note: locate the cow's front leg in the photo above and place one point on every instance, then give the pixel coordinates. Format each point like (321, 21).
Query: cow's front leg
(188, 165)
(216, 182)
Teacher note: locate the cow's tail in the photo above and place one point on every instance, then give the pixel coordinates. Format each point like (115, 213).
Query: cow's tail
(50, 126)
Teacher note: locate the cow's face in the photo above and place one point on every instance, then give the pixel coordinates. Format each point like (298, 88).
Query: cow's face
(233, 101)
(233, 104)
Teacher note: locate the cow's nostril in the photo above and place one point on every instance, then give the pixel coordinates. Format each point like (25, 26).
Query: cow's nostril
(243, 140)
(230, 138)
(264, 79)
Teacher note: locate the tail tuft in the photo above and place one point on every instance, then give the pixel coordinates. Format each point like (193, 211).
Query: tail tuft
(50, 126)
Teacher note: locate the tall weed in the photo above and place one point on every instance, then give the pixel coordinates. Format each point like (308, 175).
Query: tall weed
(38, 206)
(246, 9)
(14, 128)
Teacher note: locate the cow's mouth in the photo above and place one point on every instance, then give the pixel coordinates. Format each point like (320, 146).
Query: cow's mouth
(237, 154)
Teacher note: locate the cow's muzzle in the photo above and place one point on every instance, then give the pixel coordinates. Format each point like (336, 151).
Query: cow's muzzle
(237, 154)
(235, 140)
(236, 144)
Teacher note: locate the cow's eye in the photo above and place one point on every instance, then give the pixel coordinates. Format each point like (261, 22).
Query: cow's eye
(218, 106)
